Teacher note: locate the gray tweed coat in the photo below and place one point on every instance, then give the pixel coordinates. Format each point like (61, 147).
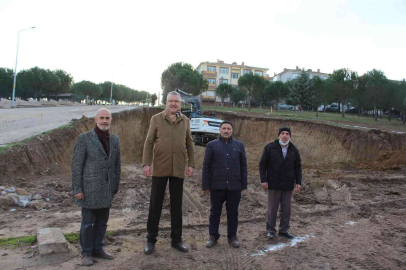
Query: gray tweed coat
(93, 172)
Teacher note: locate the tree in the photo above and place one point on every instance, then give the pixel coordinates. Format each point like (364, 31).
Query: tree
(319, 93)
(275, 91)
(238, 95)
(182, 76)
(250, 83)
(51, 83)
(375, 85)
(66, 81)
(301, 91)
(259, 89)
(86, 88)
(106, 91)
(154, 97)
(6, 82)
(224, 90)
(344, 83)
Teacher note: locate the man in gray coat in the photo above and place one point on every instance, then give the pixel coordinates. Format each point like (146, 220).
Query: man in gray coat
(96, 170)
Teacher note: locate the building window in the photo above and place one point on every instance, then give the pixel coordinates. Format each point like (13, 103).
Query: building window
(258, 72)
(234, 75)
(246, 71)
(223, 70)
(211, 81)
(212, 69)
(223, 81)
(211, 93)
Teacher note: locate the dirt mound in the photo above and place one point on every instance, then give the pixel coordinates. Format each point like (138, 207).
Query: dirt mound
(318, 143)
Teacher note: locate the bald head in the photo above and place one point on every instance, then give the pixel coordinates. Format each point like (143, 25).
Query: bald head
(103, 119)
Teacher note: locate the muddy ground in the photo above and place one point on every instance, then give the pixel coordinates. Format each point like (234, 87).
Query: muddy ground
(349, 215)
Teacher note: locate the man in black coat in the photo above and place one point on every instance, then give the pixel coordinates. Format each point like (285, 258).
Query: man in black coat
(224, 176)
(281, 172)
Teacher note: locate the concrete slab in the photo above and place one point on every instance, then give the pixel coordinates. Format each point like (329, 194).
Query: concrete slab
(51, 240)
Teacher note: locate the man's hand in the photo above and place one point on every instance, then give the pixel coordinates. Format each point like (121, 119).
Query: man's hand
(189, 171)
(147, 171)
(80, 196)
(264, 185)
(297, 189)
(206, 191)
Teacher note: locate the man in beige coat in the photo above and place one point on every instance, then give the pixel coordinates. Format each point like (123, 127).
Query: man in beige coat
(169, 149)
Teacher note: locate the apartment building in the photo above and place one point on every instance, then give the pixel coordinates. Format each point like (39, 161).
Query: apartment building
(290, 74)
(219, 72)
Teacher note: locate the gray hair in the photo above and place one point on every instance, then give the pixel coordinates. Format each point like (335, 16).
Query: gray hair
(174, 93)
(102, 109)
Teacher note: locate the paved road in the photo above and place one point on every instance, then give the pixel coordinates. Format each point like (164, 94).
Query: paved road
(22, 123)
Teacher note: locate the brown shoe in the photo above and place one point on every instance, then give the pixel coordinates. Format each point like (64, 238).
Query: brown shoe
(234, 242)
(87, 260)
(103, 255)
(211, 242)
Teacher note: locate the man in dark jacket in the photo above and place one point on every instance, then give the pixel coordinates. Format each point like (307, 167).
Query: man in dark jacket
(281, 172)
(224, 176)
(96, 170)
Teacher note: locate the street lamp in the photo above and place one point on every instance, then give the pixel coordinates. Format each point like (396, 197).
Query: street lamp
(15, 69)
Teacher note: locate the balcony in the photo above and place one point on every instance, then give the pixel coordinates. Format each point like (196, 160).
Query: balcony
(212, 86)
(209, 74)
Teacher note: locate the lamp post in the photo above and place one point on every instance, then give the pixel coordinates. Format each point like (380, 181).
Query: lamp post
(15, 69)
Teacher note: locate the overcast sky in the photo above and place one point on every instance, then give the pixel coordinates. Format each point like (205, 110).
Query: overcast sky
(133, 42)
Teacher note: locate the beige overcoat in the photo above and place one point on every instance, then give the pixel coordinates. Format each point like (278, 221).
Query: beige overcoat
(169, 146)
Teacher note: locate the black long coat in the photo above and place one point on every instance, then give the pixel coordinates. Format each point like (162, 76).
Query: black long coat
(280, 173)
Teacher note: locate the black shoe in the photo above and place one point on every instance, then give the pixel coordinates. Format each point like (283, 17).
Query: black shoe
(271, 235)
(180, 246)
(103, 255)
(211, 242)
(287, 235)
(234, 242)
(149, 248)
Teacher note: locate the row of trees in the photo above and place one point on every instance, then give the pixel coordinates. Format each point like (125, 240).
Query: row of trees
(38, 82)
(372, 91)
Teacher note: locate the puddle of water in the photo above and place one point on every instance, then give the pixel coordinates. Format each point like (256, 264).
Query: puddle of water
(351, 223)
(280, 246)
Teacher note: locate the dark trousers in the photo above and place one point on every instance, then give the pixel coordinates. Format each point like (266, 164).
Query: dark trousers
(155, 207)
(284, 198)
(232, 199)
(93, 229)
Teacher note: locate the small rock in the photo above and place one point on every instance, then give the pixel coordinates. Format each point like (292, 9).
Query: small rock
(118, 250)
(13, 210)
(10, 190)
(28, 216)
(47, 199)
(21, 191)
(7, 201)
(24, 200)
(4, 254)
(3, 193)
(38, 204)
(37, 197)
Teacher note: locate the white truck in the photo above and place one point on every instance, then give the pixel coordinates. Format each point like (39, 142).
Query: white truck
(204, 128)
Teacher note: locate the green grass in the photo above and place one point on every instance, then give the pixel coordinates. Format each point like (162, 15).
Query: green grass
(18, 241)
(327, 118)
(31, 239)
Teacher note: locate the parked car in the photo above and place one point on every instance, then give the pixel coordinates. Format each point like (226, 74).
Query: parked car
(283, 106)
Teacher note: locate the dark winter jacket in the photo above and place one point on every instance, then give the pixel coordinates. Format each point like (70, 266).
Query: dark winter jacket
(280, 173)
(93, 172)
(224, 166)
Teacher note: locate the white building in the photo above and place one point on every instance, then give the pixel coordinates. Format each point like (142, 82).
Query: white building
(290, 74)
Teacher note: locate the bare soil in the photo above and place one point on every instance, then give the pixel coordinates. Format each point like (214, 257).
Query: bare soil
(351, 213)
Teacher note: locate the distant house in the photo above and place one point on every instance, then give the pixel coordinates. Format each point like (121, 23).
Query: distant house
(290, 74)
